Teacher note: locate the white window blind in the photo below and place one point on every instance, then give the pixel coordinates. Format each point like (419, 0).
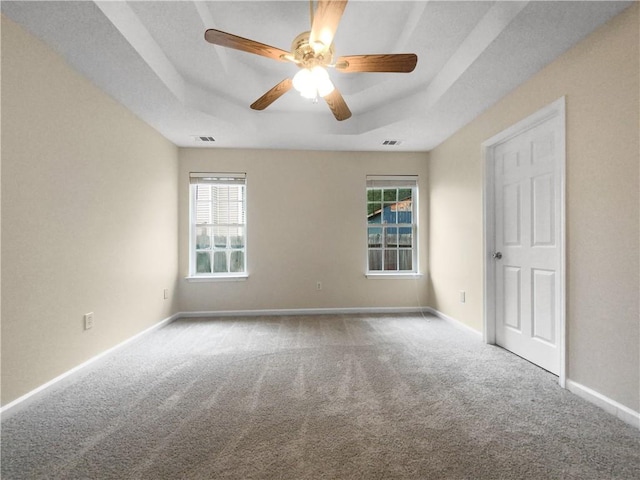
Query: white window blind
(397, 181)
(218, 178)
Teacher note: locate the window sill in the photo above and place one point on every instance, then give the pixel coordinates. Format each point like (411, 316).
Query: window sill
(393, 276)
(226, 278)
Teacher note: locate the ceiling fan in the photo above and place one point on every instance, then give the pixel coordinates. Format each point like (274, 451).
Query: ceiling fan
(313, 51)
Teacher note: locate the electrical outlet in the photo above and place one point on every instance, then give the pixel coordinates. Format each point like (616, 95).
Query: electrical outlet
(463, 296)
(166, 293)
(319, 286)
(88, 320)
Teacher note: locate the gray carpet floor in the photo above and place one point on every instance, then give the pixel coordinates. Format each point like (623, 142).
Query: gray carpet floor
(316, 397)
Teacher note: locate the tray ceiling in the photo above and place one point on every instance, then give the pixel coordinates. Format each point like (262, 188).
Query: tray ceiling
(151, 56)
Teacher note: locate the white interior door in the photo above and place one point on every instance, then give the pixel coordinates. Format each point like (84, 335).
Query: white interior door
(527, 253)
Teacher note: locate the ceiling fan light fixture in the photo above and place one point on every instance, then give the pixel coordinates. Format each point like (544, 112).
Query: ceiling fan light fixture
(303, 81)
(313, 82)
(323, 82)
(311, 93)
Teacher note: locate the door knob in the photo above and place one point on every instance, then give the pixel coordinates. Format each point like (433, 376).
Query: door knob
(497, 255)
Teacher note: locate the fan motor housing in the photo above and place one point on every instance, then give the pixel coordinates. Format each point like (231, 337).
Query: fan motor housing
(306, 56)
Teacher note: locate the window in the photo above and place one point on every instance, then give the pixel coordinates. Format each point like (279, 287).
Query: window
(392, 224)
(218, 225)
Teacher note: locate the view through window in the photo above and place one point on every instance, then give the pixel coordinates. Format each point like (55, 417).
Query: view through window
(391, 224)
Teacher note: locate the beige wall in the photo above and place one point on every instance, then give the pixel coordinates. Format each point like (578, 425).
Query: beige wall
(305, 223)
(600, 78)
(89, 214)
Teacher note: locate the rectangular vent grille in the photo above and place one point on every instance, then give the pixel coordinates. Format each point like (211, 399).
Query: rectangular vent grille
(391, 143)
(202, 138)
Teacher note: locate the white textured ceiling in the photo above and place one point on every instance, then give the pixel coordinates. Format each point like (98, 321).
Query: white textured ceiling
(151, 56)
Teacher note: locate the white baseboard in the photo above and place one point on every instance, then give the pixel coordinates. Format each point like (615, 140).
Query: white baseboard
(33, 394)
(456, 323)
(301, 311)
(625, 414)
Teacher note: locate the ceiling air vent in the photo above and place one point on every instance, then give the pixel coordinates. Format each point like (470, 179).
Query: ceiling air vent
(391, 143)
(203, 138)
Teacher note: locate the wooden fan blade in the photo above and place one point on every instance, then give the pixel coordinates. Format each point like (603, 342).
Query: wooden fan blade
(393, 62)
(272, 95)
(337, 105)
(326, 20)
(224, 39)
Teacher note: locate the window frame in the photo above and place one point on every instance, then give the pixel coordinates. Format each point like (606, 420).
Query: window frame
(212, 178)
(398, 182)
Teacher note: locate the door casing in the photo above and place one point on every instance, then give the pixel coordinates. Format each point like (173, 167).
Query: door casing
(556, 108)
